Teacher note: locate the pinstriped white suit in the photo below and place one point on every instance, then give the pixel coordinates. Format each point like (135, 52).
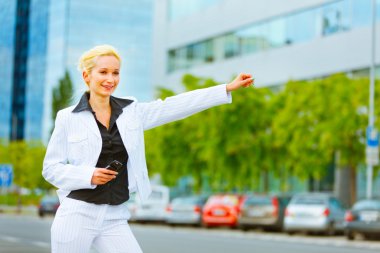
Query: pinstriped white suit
(72, 154)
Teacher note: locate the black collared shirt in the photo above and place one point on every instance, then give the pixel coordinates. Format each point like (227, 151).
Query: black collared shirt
(116, 191)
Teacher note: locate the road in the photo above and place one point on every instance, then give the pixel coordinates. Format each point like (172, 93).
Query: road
(28, 234)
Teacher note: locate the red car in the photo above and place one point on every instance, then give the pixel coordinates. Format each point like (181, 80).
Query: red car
(222, 210)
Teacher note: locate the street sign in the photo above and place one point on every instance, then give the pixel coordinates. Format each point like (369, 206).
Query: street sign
(372, 149)
(6, 175)
(372, 137)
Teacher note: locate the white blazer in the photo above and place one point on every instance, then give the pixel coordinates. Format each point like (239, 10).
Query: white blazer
(75, 144)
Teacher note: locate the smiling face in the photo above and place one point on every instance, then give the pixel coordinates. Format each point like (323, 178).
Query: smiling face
(104, 77)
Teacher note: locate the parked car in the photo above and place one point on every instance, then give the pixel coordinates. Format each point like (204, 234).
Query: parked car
(154, 208)
(364, 219)
(222, 210)
(132, 206)
(48, 205)
(314, 212)
(263, 211)
(186, 210)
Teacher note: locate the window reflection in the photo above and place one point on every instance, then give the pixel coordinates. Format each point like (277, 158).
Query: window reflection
(335, 17)
(231, 45)
(302, 26)
(191, 55)
(325, 20)
(277, 33)
(361, 12)
(254, 38)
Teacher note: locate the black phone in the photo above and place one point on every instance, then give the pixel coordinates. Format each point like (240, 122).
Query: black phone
(114, 165)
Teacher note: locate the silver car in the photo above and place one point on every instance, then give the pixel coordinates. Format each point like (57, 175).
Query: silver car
(186, 210)
(314, 212)
(154, 208)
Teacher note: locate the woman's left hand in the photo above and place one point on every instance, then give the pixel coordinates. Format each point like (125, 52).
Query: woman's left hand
(242, 80)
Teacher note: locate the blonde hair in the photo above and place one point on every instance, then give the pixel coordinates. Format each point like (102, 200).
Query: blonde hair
(88, 59)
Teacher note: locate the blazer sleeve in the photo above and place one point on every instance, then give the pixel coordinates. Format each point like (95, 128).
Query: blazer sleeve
(56, 169)
(178, 107)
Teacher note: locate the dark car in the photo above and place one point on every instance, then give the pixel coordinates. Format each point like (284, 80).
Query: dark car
(186, 210)
(364, 219)
(48, 205)
(263, 211)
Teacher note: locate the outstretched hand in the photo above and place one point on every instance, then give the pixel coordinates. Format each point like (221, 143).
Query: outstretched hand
(242, 80)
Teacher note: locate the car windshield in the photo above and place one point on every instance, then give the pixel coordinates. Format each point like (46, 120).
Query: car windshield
(185, 201)
(258, 201)
(50, 199)
(367, 204)
(224, 200)
(309, 200)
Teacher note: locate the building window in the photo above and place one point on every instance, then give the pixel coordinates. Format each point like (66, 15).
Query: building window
(254, 38)
(231, 45)
(301, 26)
(335, 17)
(293, 28)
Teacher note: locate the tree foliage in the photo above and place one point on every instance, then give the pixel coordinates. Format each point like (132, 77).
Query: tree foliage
(62, 94)
(295, 131)
(26, 159)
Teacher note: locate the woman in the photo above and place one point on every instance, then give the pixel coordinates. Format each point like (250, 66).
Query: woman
(98, 130)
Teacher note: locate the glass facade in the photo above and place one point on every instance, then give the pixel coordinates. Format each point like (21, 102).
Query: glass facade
(41, 39)
(76, 26)
(7, 35)
(181, 8)
(36, 68)
(297, 27)
(17, 120)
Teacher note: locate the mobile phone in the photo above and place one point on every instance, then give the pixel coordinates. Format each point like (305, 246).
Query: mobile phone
(115, 165)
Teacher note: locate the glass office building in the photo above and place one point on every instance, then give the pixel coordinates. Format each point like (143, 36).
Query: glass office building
(36, 69)
(76, 26)
(22, 52)
(7, 33)
(41, 39)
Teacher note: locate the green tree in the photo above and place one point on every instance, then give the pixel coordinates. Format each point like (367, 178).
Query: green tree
(62, 94)
(295, 132)
(319, 118)
(26, 159)
(227, 144)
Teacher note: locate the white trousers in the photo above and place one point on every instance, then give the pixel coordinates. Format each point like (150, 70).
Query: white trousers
(79, 225)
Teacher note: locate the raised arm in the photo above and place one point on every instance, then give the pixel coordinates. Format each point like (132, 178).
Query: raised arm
(177, 107)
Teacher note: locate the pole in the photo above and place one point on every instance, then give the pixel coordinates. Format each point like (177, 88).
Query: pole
(371, 118)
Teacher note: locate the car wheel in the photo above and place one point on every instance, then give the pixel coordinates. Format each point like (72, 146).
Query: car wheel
(244, 227)
(290, 232)
(330, 230)
(350, 235)
(206, 225)
(368, 236)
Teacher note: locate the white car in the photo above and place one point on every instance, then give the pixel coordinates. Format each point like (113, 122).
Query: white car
(154, 208)
(314, 212)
